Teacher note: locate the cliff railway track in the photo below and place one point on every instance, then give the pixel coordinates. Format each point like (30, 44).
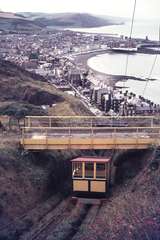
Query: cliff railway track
(24, 222)
(61, 223)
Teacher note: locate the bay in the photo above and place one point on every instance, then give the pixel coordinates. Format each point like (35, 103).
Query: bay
(141, 29)
(139, 66)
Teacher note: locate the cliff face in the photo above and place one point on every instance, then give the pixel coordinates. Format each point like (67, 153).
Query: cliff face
(22, 89)
(20, 85)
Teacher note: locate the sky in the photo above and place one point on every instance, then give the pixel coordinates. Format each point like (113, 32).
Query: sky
(121, 8)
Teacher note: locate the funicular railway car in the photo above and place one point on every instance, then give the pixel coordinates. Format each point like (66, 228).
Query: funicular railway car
(90, 178)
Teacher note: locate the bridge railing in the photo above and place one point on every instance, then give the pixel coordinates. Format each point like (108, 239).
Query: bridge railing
(90, 121)
(87, 132)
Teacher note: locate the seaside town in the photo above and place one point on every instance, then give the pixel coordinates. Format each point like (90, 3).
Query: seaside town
(54, 54)
(80, 120)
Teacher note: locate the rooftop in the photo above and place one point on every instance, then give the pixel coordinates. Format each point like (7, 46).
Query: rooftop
(91, 159)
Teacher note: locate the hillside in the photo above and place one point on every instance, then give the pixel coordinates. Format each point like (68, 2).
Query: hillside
(16, 22)
(23, 93)
(10, 15)
(31, 183)
(36, 21)
(71, 20)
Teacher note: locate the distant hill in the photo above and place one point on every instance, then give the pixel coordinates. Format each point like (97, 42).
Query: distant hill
(26, 21)
(69, 20)
(16, 22)
(114, 20)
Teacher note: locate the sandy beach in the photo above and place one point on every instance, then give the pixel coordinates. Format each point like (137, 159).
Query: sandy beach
(97, 77)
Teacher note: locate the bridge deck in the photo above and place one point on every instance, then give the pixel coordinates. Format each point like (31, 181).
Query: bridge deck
(90, 133)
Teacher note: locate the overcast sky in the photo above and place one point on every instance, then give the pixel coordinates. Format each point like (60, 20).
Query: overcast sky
(122, 8)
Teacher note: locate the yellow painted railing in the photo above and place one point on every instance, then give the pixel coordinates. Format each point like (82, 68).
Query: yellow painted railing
(59, 132)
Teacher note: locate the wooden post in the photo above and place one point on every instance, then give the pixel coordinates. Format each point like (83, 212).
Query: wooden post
(29, 122)
(83, 170)
(92, 134)
(50, 122)
(46, 138)
(137, 136)
(69, 138)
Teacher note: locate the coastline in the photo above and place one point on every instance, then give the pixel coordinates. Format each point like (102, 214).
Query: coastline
(81, 60)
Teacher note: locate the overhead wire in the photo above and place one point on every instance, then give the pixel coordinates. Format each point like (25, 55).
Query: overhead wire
(130, 35)
(152, 68)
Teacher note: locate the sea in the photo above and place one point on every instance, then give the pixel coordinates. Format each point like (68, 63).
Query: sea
(141, 29)
(139, 65)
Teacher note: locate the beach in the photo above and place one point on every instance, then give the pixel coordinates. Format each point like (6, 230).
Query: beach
(81, 60)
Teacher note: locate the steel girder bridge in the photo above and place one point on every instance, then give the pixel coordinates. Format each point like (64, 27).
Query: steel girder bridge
(85, 132)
